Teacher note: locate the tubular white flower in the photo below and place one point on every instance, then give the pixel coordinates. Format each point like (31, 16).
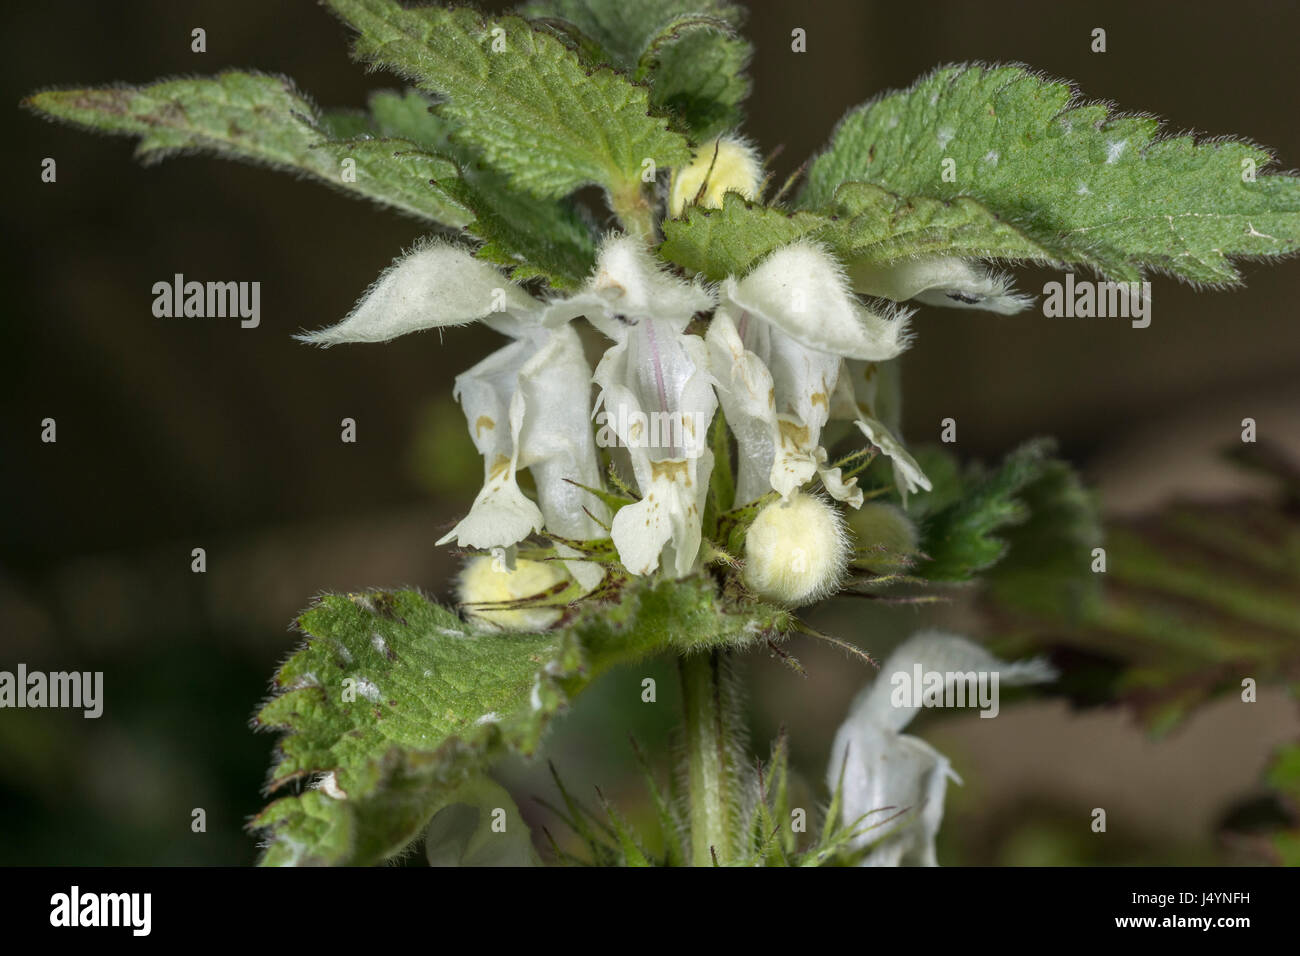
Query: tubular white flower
(946, 281)
(777, 344)
(527, 407)
(886, 768)
(656, 400)
(526, 404)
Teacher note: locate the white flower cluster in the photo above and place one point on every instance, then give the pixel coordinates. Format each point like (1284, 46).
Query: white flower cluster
(789, 347)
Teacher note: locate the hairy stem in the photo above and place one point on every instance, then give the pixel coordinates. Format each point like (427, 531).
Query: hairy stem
(634, 210)
(713, 742)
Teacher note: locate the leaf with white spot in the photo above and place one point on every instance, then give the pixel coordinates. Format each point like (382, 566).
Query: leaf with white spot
(1094, 187)
(432, 700)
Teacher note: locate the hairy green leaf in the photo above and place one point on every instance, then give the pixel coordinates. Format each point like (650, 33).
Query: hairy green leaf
(963, 539)
(254, 117)
(696, 69)
(518, 95)
(394, 701)
(534, 237)
(732, 240)
(865, 226)
(873, 226)
(1097, 188)
(622, 32)
(690, 53)
(1195, 598)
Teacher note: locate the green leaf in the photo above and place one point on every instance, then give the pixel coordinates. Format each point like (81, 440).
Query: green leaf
(531, 110)
(696, 69)
(1195, 598)
(410, 115)
(732, 240)
(866, 226)
(1048, 566)
(534, 237)
(1097, 188)
(873, 226)
(622, 32)
(401, 173)
(435, 700)
(689, 52)
(962, 538)
(254, 117)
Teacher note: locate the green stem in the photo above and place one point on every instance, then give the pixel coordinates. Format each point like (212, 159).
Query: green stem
(710, 747)
(630, 204)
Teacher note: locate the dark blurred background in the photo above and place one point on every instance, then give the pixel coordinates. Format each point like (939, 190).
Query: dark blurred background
(183, 433)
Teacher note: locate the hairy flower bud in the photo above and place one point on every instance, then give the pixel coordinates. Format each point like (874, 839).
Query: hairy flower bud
(884, 534)
(726, 164)
(485, 582)
(796, 550)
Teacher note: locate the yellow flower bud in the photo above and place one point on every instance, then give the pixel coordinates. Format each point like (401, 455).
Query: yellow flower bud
(736, 168)
(796, 550)
(485, 581)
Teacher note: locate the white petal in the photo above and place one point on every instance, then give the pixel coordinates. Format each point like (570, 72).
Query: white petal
(657, 399)
(555, 437)
(946, 654)
(501, 515)
(889, 775)
(667, 518)
(870, 390)
(907, 473)
(804, 379)
(747, 395)
(802, 291)
(836, 486)
(494, 408)
(629, 283)
(434, 285)
(946, 281)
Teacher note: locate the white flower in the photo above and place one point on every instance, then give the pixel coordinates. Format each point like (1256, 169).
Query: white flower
(940, 280)
(526, 404)
(656, 400)
(890, 774)
(777, 343)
